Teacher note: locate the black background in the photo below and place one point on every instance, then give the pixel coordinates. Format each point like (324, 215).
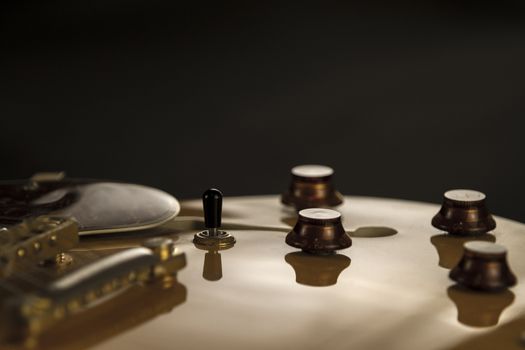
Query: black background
(404, 100)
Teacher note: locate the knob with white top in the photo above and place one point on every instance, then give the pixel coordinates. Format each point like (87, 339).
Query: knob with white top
(464, 212)
(319, 231)
(311, 187)
(483, 267)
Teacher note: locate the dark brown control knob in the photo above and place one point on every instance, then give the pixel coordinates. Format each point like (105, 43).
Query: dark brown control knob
(319, 231)
(312, 187)
(483, 267)
(464, 213)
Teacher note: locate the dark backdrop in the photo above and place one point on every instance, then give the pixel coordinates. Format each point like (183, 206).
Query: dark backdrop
(403, 100)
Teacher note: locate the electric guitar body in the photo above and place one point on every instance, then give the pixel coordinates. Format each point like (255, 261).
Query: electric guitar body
(390, 289)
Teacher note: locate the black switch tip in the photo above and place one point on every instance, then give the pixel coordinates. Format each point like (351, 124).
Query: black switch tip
(212, 204)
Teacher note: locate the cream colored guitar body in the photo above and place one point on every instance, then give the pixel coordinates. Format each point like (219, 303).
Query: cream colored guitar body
(390, 290)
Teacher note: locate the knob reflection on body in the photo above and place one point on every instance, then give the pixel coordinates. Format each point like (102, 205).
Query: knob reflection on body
(450, 247)
(477, 308)
(464, 212)
(315, 270)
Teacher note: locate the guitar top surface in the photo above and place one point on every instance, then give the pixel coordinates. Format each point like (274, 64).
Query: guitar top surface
(389, 290)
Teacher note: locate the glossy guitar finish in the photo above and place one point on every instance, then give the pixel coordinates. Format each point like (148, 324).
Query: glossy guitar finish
(388, 291)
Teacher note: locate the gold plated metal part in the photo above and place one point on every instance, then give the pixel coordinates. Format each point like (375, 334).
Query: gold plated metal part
(39, 239)
(162, 247)
(483, 267)
(311, 187)
(63, 259)
(464, 212)
(26, 316)
(222, 240)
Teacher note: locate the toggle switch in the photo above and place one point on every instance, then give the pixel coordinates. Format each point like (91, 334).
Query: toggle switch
(213, 237)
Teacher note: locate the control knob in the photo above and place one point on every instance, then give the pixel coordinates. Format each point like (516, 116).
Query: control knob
(483, 267)
(319, 231)
(312, 187)
(464, 212)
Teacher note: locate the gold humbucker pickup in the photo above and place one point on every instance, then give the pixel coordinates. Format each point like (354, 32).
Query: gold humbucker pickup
(36, 239)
